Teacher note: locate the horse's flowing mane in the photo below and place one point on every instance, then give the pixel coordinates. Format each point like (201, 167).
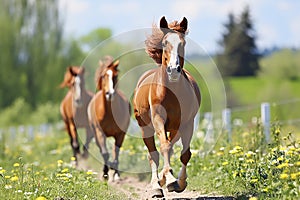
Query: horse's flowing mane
(153, 41)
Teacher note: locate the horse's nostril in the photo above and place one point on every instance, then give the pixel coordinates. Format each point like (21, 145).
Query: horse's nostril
(178, 69)
(169, 69)
(107, 93)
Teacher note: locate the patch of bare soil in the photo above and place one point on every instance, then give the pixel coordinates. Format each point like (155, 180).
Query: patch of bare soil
(135, 189)
(139, 190)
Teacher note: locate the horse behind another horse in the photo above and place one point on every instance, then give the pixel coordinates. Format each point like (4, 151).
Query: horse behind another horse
(73, 108)
(109, 113)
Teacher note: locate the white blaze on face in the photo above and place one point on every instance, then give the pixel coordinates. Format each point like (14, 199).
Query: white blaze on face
(111, 89)
(174, 40)
(77, 88)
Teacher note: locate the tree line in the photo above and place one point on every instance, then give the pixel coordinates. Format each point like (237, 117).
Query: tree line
(34, 52)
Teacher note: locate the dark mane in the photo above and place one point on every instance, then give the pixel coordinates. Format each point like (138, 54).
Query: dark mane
(153, 41)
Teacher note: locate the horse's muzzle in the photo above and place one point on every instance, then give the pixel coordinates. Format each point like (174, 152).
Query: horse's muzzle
(109, 96)
(173, 73)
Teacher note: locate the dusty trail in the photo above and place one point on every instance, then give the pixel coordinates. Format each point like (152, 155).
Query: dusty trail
(135, 189)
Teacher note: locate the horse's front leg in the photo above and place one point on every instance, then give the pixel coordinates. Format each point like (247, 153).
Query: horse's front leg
(119, 138)
(166, 176)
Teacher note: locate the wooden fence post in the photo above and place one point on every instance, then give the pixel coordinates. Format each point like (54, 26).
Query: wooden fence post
(265, 119)
(226, 117)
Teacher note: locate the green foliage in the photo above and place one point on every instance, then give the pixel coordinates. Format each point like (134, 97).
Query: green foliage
(96, 36)
(239, 56)
(20, 112)
(281, 65)
(15, 114)
(32, 51)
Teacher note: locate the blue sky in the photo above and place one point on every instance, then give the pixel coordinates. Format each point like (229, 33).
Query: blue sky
(277, 22)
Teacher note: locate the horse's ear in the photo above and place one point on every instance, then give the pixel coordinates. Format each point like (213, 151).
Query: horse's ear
(184, 24)
(70, 69)
(163, 24)
(116, 64)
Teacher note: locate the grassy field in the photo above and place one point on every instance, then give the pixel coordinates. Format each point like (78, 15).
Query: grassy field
(245, 168)
(42, 168)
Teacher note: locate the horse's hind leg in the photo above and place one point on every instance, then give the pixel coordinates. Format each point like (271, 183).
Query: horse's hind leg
(116, 149)
(185, 156)
(101, 142)
(89, 137)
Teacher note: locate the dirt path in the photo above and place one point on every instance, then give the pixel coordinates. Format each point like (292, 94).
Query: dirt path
(138, 190)
(135, 189)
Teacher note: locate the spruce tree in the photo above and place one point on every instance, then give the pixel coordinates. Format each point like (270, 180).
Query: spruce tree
(239, 54)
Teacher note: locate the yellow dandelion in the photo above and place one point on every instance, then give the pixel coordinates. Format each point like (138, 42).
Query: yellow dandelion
(37, 173)
(16, 164)
(220, 153)
(253, 198)
(250, 154)
(250, 161)
(282, 148)
(60, 162)
(2, 171)
(283, 165)
(65, 170)
(235, 174)
(7, 177)
(298, 163)
(283, 176)
(46, 179)
(225, 163)
(280, 159)
(294, 176)
(41, 198)
(73, 158)
(89, 172)
(233, 151)
(14, 178)
(254, 180)
(265, 190)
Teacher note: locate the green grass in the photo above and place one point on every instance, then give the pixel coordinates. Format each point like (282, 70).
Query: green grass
(43, 169)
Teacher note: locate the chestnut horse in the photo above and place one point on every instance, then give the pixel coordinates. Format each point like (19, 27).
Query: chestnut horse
(166, 100)
(73, 108)
(109, 114)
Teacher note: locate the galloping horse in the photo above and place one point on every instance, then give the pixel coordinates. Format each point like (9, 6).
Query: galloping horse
(109, 113)
(73, 108)
(166, 100)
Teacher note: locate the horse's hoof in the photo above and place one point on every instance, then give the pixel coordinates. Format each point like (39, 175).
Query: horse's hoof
(85, 155)
(105, 177)
(173, 186)
(181, 187)
(116, 177)
(157, 193)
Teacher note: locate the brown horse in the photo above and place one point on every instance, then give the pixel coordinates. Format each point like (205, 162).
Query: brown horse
(73, 108)
(109, 114)
(166, 101)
